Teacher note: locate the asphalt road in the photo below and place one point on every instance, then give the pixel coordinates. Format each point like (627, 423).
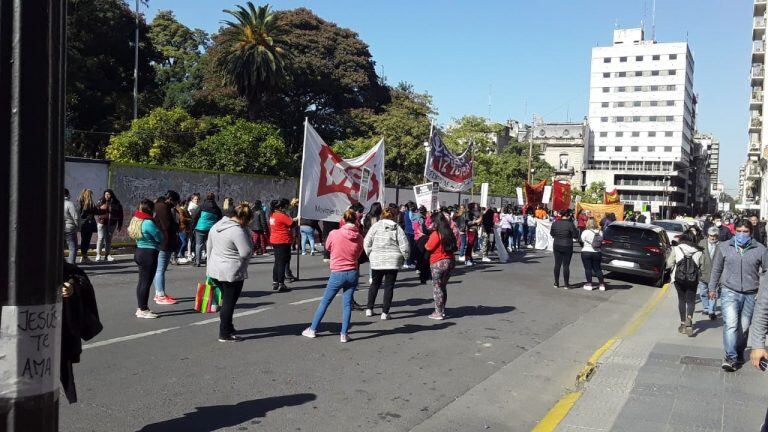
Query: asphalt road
(171, 374)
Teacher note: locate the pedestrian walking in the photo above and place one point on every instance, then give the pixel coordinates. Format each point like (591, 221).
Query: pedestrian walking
(307, 230)
(759, 228)
(387, 248)
(591, 254)
(166, 220)
(148, 237)
(229, 250)
(193, 207)
(407, 225)
(460, 220)
(737, 267)
(724, 233)
(207, 215)
(532, 222)
(88, 212)
(345, 245)
(441, 247)
(686, 275)
(486, 234)
(259, 229)
(474, 220)
(563, 232)
(110, 219)
(517, 228)
(185, 229)
(709, 245)
(505, 227)
(281, 238)
(71, 226)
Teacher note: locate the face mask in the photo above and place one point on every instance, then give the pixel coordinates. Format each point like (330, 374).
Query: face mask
(742, 238)
(712, 241)
(718, 223)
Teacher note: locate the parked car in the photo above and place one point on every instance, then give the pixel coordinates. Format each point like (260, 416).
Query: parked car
(637, 249)
(674, 228)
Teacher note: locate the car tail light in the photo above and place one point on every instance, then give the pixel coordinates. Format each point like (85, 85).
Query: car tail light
(655, 269)
(607, 242)
(654, 249)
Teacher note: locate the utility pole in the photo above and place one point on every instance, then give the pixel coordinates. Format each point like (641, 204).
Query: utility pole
(530, 148)
(32, 60)
(136, 67)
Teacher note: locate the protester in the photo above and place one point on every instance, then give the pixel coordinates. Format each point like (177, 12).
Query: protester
(709, 245)
(228, 207)
(759, 228)
(281, 238)
(530, 241)
(486, 234)
(474, 219)
(207, 215)
(345, 245)
(387, 248)
(88, 212)
(591, 255)
(460, 220)
(737, 267)
(71, 226)
(229, 251)
(166, 221)
(725, 233)
(307, 229)
(260, 225)
(407, 225)
(110, 219)
(517, 221)
(148, 238)
(193, 207)
(686, 275)
(505, 227)
(441, 247)
(185, 228)
(582, 220)
(563, 232)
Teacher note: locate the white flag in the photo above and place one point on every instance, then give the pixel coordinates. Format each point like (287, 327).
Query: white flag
(330, 184)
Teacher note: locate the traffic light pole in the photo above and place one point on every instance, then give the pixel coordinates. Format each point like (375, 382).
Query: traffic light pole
(32, 47)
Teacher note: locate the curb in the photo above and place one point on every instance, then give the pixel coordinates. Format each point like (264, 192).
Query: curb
(557, 413)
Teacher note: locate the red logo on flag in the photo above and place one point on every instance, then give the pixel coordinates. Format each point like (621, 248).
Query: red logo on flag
(337, 176)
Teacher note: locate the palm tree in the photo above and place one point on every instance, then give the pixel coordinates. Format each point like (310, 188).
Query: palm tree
(252, 56)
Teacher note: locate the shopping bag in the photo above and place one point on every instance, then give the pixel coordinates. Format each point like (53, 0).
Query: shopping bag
(208, 297)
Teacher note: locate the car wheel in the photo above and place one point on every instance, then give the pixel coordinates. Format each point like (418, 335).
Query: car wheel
(660, 281)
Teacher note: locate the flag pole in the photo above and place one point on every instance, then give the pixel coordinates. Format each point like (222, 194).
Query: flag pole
(301, 195)
(427, 147)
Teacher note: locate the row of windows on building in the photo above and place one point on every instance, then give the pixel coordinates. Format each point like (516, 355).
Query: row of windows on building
(647, 88)
(636, 134)
(639, 58)
(645, 73)
(637, 119)
(650, 149)
(636, 104)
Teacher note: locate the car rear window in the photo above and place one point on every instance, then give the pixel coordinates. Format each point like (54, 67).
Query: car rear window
(627, 234)
(670, 226)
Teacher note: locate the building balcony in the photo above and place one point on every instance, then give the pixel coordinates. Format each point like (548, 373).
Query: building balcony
(756, 100)
(759, 8)
(757, 74)
(564, 171)
(754, 148)
(755, 124)
(758, 51)
(753, 172)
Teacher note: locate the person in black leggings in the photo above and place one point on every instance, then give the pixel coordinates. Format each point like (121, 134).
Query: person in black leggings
(686, 289)
(563, 232)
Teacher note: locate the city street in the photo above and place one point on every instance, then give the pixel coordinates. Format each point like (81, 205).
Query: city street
(509, 349)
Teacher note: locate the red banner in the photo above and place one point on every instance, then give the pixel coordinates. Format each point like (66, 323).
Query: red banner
(534, 193)
(453, 172)
(561, 195)
(611, 197)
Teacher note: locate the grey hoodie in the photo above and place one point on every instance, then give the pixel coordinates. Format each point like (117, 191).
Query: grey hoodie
(71, 217)
(229, 249)
(759, 326)
(386, 245)
(736, 271)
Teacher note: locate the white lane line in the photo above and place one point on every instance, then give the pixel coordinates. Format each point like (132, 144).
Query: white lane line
(306, 301)
(127, 338)
(239, 314)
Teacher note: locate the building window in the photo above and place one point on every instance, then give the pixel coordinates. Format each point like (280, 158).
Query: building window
(670, 118)
(606, 74)
(606, 89)
(652, 118)
(651, 148)
(639, 58)
(563, 161)
(636, 103)
(619, 134)
(634, 148)
(654, 103)
(603, 134)
(673, 56)
(656, 57)
(671, 87)
(638, 88)
(668, 134)
(619, 119)
(654, 88)
(668, 149)
(655, 73)
(621, 89)
(672, 72)
(622, 74)
(607, 60)
(601, 148)
(618, 148)
(623, 59)
(651, 134)
(635, 134)
(636, 119)
(603, 119)
(604, 104)
(671, 103)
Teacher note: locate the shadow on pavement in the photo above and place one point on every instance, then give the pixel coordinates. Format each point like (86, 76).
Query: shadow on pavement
(704, 324)
(295, 329)
(461, 311)
(215, 417)
(403, 330)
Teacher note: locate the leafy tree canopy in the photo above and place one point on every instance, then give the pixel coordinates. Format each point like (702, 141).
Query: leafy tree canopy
(594, 194)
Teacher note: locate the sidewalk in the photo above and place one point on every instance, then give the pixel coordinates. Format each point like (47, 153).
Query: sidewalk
(659, 380)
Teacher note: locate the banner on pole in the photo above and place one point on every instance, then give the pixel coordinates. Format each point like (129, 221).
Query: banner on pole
(427, 195)
(520, 200)
(453, 172)
(611, 197)
(561, 195)
(484, 195)
(547, 195)
(330, 184)
(534, 193)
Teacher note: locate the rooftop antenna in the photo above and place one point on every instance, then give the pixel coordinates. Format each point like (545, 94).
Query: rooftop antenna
(653, 26)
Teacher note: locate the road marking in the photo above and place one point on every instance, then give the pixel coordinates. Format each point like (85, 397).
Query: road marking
(127, 338)
(239, 314)
(555, 415)
(306, 301)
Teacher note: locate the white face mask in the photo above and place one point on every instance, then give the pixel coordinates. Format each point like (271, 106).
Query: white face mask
(718, 223)
(712, 241)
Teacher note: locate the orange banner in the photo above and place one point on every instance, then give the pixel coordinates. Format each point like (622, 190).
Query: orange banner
(611, 197)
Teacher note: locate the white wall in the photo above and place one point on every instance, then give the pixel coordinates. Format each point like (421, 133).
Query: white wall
(82, 174)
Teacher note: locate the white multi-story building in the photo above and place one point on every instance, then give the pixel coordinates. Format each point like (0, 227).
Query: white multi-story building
(641, 117)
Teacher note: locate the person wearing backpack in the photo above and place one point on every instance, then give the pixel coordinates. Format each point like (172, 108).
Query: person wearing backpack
(591, 256)
(148, 238)
(686, 274)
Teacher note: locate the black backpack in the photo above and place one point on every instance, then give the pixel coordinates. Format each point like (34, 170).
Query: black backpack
(687, 271)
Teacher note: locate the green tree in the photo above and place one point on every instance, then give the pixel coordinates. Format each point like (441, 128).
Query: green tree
(404, 124)
(158, 138)
(593, 194)
(100, 61)
(471, 129)
(178, 70)
(251, 53)
(242, 147)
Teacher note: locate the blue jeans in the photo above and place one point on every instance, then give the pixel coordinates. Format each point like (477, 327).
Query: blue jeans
(531, 240)
(737, 314)
(307, 233)
(162, 265)
(343, 280)
(463, 245)
(182, 245)
(412, 245)
(517, 234)
(71, 239)
(706, 304)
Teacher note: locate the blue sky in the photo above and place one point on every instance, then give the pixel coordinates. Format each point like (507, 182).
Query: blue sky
(533, 56)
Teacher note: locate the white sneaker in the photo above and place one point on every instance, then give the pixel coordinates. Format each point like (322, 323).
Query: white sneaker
(84, 260)
(530, 246)
(385, 316)
(147, 314)
(98, 258)
(370, 280)
(588, 287)
(509, 249)
(486, 259)
(468, 264)
(602, 287)
(368, 313)
(110, 258)
(462, 258)
(308, 332)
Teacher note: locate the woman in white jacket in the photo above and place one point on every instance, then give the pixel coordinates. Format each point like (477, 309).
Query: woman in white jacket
(387, 248)
(686, 289)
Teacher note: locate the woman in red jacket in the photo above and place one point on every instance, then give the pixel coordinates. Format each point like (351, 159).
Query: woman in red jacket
(281, 237)
(441, 247)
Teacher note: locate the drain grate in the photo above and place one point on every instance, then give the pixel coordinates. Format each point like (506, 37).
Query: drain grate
(700, 361)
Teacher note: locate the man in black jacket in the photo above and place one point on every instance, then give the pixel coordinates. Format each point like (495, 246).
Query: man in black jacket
(563, 232)
(725, 233)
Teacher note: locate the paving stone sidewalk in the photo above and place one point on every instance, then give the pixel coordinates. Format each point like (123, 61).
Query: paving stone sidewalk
(659, 380)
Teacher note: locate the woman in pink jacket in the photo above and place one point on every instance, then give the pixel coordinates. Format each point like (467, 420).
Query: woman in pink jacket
(345, 245)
